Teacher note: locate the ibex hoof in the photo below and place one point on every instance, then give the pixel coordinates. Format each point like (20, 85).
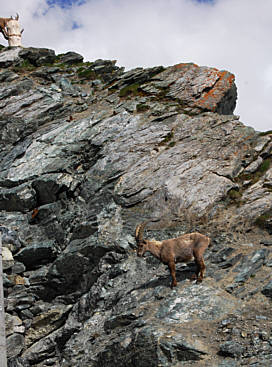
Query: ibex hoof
(173, 285)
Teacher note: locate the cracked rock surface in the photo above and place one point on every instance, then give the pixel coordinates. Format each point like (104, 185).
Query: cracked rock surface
(87, 152)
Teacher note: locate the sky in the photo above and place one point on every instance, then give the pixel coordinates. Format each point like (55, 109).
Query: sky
(233, 35)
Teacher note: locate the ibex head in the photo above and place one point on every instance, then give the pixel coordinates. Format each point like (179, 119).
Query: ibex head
(141, 243)
(142, 248)
(13, 31)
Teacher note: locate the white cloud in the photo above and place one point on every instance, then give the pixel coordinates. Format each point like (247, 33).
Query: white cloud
(231, 34)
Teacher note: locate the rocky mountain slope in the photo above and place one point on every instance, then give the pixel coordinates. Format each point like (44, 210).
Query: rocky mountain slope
(88, 151)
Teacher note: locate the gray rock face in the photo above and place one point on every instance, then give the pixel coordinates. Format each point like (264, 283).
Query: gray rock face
(13, 325)
(37, 56)
(231, 349)
(18, 198)
(37, 254)
(15, 344)
(10, 56)
(248, 267)
(87, 152)
(267, 291)
(7, 258)
(70, 58)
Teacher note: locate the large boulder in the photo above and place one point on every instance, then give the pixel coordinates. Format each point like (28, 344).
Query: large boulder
(9, 56)
(38, 56)
(70, 58)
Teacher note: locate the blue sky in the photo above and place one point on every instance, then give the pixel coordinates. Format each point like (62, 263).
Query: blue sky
(64, 3)
(68, 3)
(233, 35)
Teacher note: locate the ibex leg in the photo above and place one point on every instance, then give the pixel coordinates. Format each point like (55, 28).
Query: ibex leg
(172, 268)
(200, 268)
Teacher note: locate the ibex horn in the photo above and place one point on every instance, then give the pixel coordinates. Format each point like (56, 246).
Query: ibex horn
(139, 232)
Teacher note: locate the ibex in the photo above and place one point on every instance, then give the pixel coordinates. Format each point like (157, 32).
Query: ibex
(175, 250)
(11, 30)
(3, 25)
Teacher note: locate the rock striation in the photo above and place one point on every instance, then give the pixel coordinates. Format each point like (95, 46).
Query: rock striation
(88, 151)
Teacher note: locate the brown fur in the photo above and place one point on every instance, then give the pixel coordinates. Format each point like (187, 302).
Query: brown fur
(3, 25)
(175, 250)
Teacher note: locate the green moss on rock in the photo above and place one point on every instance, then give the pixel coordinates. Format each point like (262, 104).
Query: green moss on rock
(264, 166)
(234, 194)
(172, 144)
(88, 73)
(168, 138)
(142, 107)
(262, 220)
(255, 176)
(264, 133)
(25, 65)
(132, 89)
(234, 197)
